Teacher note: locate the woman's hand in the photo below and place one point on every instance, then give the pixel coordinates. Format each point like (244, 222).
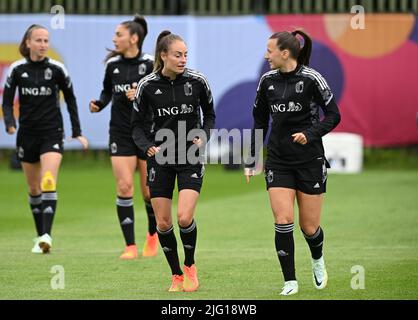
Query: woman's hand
(152, 151)
(11, 130)
(197, 141)
(93, 106)
(300, 138)
(130, 94)
(84, 142)
(249, 173)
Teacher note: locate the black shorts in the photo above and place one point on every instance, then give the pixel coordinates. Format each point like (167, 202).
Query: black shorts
(29, 148)
(161, 179)
(311, 179)
(124, 147)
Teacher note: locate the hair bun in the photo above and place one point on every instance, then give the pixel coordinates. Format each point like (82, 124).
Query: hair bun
(141, 20)
(163, 34)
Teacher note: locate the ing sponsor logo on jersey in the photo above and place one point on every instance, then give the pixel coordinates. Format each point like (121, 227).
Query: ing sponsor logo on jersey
(42, 91)
(282, 107)
(173, 111)
(122, 88)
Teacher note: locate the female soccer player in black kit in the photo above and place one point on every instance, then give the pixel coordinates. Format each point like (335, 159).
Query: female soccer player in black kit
(40, 135)
(296, 166)
(125, 66)
(173, 97)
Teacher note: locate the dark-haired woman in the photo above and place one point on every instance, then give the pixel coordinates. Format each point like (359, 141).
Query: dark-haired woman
(40, 136)
(296, 168)
(126, 65)
(173, 98)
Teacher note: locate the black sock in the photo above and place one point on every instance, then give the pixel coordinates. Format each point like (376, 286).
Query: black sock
(152, 224)
(188, 236)
(49, 205)
(125, 208)
(285, 247)
(36, 207)
(315, 243)
(169, 244)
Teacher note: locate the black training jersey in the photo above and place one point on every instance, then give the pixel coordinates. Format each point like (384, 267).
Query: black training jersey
(39, 85)
(292, 100)
(170, 104)
(121, 74)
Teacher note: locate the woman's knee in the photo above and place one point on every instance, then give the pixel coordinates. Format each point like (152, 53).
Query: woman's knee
(146, 194)
(164, 223)
(34, 189)
(283, 219)
(125, 188)
(184, 218)
(309, 229)
(283, 215)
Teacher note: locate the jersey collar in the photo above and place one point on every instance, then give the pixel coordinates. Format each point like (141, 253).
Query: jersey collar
(291, 73)
(37, 63)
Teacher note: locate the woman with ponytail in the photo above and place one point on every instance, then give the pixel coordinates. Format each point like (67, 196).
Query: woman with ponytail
(174, 98)
(126, 65)
(39, 142)
(296, 167)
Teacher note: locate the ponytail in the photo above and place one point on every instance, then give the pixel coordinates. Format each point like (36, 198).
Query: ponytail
(164, 40)
(289, 41)
(23, 48)
(143, 23)
(305, 52)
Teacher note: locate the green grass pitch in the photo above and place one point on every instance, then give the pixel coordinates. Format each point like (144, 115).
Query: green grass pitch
(370, 220)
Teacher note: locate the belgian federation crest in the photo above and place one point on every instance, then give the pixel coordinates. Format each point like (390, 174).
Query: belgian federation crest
(48, 74)
(188, 89)
(113, 148)
(324, 173)
(151, 175)
(270, 176)
(142, 69)
(20, 153)
(299, 87)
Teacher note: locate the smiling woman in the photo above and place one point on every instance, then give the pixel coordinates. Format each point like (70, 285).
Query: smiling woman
(296, 167)
(39, 143)
(171, 54)
(171, 98)
(35, 43)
